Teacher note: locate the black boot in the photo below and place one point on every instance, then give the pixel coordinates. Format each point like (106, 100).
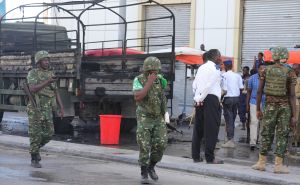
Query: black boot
(38, 157)
(34, 161)
(151, 171)
(144, 175)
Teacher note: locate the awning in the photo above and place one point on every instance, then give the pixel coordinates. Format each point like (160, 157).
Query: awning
(190, 56)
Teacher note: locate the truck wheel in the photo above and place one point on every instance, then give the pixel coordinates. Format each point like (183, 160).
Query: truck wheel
(1, 116)
(128, 124)
(63, 126)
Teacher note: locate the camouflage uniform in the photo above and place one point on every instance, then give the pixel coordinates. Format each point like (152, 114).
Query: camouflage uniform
(40, 118)
(151, 128)
(277, 112)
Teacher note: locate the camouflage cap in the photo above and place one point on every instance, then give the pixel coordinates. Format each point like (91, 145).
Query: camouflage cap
(152, 64)
(279, 53)
(41, 55)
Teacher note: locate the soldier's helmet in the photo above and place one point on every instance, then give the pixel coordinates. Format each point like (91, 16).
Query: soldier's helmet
(152, 64)
(41, 55)
(279, 53)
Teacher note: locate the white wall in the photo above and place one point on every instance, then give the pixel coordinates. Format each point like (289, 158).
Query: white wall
(11, 4)
(215, 25)
(107, 32)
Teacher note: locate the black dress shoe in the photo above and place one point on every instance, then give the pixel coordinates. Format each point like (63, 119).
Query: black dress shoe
(198, 160)
(215, 162)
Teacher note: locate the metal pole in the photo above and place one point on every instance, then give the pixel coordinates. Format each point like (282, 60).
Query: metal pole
(184, 95)
(122, 12)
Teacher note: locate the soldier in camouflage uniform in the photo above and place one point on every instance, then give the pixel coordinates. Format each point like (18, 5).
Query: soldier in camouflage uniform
(41, 82)
(151, 106)
(278, 82)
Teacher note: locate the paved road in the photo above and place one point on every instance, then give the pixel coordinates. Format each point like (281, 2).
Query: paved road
(61, 169)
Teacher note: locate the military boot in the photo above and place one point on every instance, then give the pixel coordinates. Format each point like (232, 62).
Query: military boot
(279, 168)
(151, 171)
(34, 161)
(261, 163)
(144, 175)
(38, 157)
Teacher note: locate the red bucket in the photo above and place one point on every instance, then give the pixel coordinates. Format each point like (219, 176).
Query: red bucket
(110, 129)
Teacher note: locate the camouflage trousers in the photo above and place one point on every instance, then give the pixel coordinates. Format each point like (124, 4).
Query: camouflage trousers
(151, 137)
(276, 118)
(40, 131)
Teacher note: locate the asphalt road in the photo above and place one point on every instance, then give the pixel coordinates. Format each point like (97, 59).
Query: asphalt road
(59, 169)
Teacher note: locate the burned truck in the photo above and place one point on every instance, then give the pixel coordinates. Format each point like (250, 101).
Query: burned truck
(94, 73)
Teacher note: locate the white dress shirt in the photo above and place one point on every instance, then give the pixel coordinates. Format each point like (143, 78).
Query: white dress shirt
(233, 83)
(207, 81)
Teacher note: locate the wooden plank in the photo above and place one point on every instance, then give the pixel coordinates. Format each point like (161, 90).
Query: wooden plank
(109, 87)
(12, 107)
(12, 92)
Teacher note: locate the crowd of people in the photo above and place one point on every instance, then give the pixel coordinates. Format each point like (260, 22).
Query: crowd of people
(266, 101)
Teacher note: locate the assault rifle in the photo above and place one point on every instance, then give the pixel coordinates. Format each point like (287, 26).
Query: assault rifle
(174, 129)
(29, 95)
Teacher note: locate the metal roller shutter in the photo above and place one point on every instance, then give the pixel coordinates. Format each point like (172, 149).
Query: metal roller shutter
(182, 14)
(269, 23)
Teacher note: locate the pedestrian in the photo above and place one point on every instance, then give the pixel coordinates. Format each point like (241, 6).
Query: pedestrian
(296, 141)
(243, 95)
(233, 85)
(251, 106)
(278, 82)
(207, 95)
(151, 103)
(42, 84)
(257, 61)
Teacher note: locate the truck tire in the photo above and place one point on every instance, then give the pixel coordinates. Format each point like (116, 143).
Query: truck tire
(1, 116)
(128, 124)
(63, 126)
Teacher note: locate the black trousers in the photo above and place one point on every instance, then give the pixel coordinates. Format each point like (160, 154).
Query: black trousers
(207, 123)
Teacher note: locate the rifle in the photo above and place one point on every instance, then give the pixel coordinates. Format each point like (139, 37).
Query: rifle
(174, 129)
(29, 95)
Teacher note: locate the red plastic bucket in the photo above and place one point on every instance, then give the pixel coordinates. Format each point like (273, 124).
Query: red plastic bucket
(110, 129)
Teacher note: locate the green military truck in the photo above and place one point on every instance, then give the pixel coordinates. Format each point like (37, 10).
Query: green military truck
(93, 79)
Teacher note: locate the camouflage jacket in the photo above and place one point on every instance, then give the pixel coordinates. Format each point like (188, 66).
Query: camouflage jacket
(155, 102)
(45, 98)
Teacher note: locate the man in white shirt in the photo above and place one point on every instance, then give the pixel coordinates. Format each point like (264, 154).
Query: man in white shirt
(207, 95)
(233, 84)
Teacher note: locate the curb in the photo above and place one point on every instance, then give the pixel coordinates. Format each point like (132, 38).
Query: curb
(228, 171)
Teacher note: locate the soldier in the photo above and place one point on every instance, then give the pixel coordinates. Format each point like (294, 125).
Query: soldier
(296, 141)
(278, 83)
(41, 83)
(151, 102)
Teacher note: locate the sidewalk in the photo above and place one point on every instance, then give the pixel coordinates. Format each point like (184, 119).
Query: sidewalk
(227, 170)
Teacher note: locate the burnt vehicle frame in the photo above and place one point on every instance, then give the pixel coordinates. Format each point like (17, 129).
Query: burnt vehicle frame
(89, 85)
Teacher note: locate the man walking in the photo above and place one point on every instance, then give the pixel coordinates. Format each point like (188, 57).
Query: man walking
(207, 95)
(41, 83)
(233, 85)
(278, 83)
(151, 103)
(251, 106)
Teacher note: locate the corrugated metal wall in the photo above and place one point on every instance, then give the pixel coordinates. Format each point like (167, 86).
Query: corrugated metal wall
(269, 23)
(182, 14)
